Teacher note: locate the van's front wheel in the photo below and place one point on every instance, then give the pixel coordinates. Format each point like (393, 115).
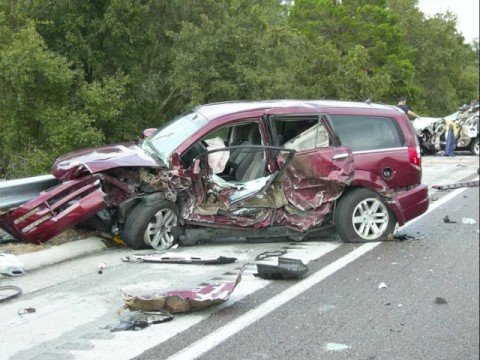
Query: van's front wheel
(155, 226)
(362, 216)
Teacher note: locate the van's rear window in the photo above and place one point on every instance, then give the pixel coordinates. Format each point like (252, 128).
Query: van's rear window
(362, 133)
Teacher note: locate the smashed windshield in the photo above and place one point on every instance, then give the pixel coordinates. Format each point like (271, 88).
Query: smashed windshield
(166, 139)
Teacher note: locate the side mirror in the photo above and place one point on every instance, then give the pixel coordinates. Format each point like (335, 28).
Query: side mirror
(147, 132)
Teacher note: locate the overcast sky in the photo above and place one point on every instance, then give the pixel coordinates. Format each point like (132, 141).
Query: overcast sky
(466, 11)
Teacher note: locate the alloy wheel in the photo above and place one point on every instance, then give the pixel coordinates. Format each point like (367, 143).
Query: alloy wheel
(370, 218)
(159, 231)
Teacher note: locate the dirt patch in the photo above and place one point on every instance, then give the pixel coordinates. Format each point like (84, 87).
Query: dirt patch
(18, 248)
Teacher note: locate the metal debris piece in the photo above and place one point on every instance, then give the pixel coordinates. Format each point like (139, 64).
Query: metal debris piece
(268, 254)
(463, 184)
(10, 265)
(24, 311)
(141, 319)
(468, 221)
(286, 269)
(447, 220)
(174, 258)
(180, 301)
(8, 292)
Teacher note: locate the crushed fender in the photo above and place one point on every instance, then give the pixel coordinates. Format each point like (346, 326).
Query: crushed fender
(141, 319)
(182, 301)
(286, 269)
(173, 258)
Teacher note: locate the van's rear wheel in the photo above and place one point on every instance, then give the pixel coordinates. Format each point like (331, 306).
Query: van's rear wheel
(154, 226)
(362, 216)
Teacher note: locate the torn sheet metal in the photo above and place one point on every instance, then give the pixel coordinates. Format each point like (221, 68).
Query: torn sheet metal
(285, 269)
(180, 301)
(10, 265)
(174, 258)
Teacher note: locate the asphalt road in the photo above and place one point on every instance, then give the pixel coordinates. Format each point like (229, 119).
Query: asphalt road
(429, 308)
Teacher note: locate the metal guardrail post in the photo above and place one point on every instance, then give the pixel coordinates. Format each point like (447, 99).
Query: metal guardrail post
(18, 191)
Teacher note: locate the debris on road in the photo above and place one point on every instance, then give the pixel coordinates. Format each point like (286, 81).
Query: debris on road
(403, 237)
(382, 285)
(440, 301)
(181, 301)
(24, 311)
(8, 292)
(267, 254)
(141, 319)
(101, 266)
(468, 221)
(10, 265)
(335, 347)
(458, 185)
(173, 258)
(285, 270)
(447, 220)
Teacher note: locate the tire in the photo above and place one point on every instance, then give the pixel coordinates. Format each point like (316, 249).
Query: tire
(154, 226)
(474, 147)
(355, 222)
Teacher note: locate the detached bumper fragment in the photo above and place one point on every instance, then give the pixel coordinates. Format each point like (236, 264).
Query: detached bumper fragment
(286, 269)
(55, 210)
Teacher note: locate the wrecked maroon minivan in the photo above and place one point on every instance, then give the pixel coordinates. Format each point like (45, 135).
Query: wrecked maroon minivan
(240, 170)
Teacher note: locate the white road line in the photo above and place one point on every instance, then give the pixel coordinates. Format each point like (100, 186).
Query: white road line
(214, 339)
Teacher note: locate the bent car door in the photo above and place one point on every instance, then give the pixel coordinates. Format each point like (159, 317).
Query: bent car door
(317, 174)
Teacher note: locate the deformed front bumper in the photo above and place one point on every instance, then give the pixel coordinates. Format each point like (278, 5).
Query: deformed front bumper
(55, 210)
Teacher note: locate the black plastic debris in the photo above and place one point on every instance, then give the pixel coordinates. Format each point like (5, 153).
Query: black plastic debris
(141, 319)
(174, 258)
(286, 269)
(447, 220)
(440, 301)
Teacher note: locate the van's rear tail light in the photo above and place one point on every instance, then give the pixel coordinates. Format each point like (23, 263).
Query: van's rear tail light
(414, 155)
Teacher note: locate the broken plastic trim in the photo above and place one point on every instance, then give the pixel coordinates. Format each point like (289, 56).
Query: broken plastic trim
(9, 288)
(172, 258)
(285, 270)
(142, 319)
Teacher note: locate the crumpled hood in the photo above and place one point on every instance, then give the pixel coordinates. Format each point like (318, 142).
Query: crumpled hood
(102, 158)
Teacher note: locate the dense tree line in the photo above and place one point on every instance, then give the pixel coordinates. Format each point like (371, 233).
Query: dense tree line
(78, 73)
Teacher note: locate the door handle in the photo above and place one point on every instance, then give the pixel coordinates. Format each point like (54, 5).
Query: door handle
(340, 156)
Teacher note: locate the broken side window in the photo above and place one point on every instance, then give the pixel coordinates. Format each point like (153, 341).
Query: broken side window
(300, 133)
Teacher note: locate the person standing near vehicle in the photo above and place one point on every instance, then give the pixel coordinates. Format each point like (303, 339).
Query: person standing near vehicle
(402, 104)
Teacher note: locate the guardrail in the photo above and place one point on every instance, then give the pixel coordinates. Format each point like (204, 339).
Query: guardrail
(19, 191)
